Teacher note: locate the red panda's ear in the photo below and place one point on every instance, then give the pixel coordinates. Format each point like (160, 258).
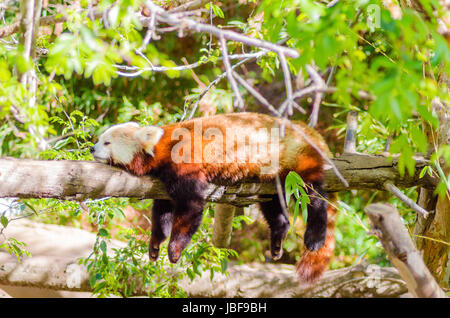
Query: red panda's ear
(148, 137)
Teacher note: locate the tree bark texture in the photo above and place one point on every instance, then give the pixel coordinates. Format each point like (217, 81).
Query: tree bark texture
(79, 180)
(388, 226)
(248, 281)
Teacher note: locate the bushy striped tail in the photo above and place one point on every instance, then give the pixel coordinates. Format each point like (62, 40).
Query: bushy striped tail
(313, 264)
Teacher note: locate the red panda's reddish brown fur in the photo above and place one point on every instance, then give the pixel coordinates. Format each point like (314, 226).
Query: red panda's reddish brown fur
(185, 182)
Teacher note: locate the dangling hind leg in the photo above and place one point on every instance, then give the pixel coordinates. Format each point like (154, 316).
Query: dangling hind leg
(278, 224)
(316, 224)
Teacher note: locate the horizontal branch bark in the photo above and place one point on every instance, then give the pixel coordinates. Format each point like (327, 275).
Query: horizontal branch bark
(249, 281)
(54, 266)
(80, 180)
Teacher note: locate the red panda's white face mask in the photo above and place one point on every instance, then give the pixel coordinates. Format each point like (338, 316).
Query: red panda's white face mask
(119, 143)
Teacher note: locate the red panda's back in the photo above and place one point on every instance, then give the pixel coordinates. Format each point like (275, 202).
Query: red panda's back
(239, 145)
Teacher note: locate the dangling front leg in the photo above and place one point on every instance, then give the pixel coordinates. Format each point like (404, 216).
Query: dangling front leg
(187, 194)
(187, 219)
(162, 216)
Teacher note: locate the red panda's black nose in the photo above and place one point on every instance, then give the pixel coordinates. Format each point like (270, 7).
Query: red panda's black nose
(91, 149)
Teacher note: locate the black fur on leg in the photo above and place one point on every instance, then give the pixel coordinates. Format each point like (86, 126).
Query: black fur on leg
(187, 193)
(278, 224)
(162, 216)
(316, 225)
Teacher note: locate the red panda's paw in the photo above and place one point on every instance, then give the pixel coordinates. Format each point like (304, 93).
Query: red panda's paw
(276, 241)
(174, 255)
(176, 246)
(314, 240)
(276, 253)
(153, 251)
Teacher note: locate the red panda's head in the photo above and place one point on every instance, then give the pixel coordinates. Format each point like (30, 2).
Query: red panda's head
(120, 143)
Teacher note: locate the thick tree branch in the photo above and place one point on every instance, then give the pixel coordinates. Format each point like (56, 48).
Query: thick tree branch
(249, 280)
(79, 180)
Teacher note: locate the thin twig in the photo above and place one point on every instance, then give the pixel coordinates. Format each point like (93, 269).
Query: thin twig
(317, 79)
(188, 23)
(402, 197)
(281, 197)
(155, 69)
(220, 77)
(152, 68)
(255, 94)
(312, 89)
(239, 102)
(188, 5)
(150, 31)
(287, 82)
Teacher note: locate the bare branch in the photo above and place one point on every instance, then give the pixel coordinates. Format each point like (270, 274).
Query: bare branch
(152, 68)
(188, 5)
(239, 102)
(312, 89)
(220, 77)
(287, 83)
(400, 195)
(187, 23)
(256, 94)
(318, 98)
(151, 27)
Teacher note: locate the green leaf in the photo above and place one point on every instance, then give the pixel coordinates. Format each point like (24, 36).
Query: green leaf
(216, 9)
(4, 220)
(103, 246)
(103, 232)
(419, 138)
(190, 274)
(223, 264)
(170, 73)
(304, 202)
(89, 38)
(296, 210)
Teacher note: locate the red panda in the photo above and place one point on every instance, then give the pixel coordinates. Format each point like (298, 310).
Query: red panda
(226, 148)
